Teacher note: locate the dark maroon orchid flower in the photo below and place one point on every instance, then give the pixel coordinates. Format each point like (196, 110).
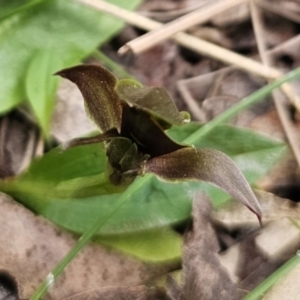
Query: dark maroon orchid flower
(132, 120)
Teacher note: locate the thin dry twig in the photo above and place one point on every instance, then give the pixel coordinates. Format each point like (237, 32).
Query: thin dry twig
(282, 109)
(164, 32)
(188, 41)
(258, 28)
(190, 101)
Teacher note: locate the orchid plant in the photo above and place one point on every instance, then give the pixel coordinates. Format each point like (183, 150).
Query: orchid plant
(133, 120)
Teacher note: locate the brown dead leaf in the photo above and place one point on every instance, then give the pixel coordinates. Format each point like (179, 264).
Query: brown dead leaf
(286, 56)
(287, 8)
(69, 119)
(169, 5)
(234, 215)
(259, 253)
(288, 288)
(215, 92)
(204, 277)
(161, 15)
(18, 139)
(211, 34)
(284, 178)
(279, 240)
(232, 17)
(121, 293)
(37, 246)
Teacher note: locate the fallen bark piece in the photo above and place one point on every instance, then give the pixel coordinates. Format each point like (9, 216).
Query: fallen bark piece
(204, 276)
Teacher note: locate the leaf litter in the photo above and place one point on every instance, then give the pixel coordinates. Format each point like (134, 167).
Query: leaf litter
(180, 64)
(37, 247)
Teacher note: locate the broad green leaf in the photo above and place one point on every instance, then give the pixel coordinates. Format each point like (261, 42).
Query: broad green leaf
(228, 139)
(70, 29)
(13, 6)
(157, 245)
(153, 204)
(41, 86)
(77, 172)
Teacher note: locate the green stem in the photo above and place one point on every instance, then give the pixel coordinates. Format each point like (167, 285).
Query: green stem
(85, 238)
(243, 104)
(261, 289)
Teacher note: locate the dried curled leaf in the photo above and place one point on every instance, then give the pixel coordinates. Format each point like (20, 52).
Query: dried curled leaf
(207, 165)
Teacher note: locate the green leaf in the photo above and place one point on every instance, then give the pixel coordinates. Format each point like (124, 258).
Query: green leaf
(70, 29)
(41, 86)
(13, 6)
(157, 245)
(153, 204)
(77, 172)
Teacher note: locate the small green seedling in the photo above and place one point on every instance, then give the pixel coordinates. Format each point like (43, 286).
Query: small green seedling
(132, 120)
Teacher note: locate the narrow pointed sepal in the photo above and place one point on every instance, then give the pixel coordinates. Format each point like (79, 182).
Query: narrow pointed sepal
(97, 84)
(206, 165)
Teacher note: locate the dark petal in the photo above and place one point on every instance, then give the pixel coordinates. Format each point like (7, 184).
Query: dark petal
(154, 100)
(207, 165)
(125, 161)
(150, 138)
(97, 87)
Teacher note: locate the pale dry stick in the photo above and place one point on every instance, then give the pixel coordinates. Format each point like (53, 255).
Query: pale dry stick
(40, 146)
(188, 41)
(196, 44)
(286, 87)
(283, 112)
(164, 32)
